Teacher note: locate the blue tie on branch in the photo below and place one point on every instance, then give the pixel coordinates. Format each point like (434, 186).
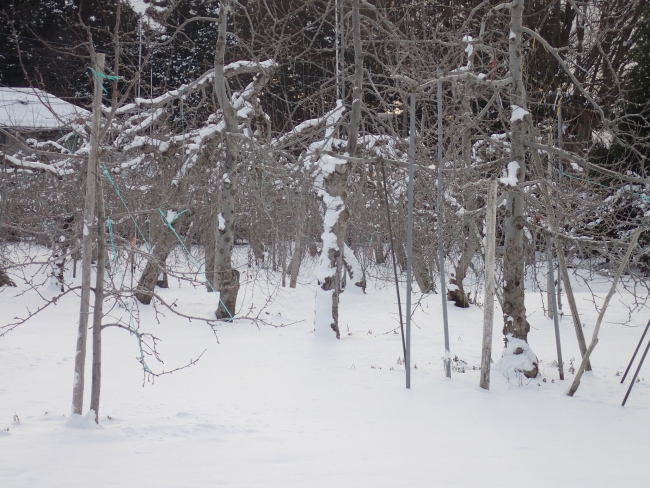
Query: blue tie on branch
(101, 76)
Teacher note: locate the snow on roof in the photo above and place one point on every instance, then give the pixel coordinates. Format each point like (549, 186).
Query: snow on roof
(31, 108)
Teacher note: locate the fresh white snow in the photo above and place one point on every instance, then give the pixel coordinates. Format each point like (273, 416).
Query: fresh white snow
(518, 113)
(31, 108)
(270, 406)
(511, 178)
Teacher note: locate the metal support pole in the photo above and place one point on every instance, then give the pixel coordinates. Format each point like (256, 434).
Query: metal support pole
(636, 373)
(559, 145)
(635, 352)
(441, 246)
(392, 252)
(409, 244)
(549, 254)
(336, 49)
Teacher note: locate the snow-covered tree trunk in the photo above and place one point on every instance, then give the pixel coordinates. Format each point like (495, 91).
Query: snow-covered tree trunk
(61, 246)
(352, 265)
(333, 192)
(333, 189)
(514, 310)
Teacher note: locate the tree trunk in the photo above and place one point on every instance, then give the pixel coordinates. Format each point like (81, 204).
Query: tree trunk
(161, 249)
(421, 271)
(227, 277)
(61, 246)
(98, 312)
(334, 192)
(336, 218)
(210, 246)
(401, 255)
(283, 258)
(296, 259)
(458, 296)
(514, 309)
(357, 276)
(469, 250)
(380, 255)
(87, 244)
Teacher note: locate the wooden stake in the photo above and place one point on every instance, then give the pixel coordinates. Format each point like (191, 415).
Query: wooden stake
(488, 307)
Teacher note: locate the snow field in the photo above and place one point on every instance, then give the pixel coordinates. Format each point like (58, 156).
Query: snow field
(279, 407)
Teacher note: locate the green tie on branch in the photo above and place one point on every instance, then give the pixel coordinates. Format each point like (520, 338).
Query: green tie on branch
(101, 76)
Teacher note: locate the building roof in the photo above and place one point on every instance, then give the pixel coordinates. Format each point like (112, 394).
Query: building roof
(31, 108)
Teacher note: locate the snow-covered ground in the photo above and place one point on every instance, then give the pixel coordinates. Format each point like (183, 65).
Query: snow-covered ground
(278, 407)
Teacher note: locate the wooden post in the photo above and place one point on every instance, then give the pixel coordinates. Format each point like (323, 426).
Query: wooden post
(488, 307)
(87, 242)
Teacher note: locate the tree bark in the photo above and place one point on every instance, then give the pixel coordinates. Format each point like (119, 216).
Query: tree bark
(166, 240)
(335, 196)
(352, 265)
(380, 255)
(514, 309)
(227, 278)
(459, 296)
(421, 271)
(210, 246)
(87, 244)
(98, 312)
(296, 258)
